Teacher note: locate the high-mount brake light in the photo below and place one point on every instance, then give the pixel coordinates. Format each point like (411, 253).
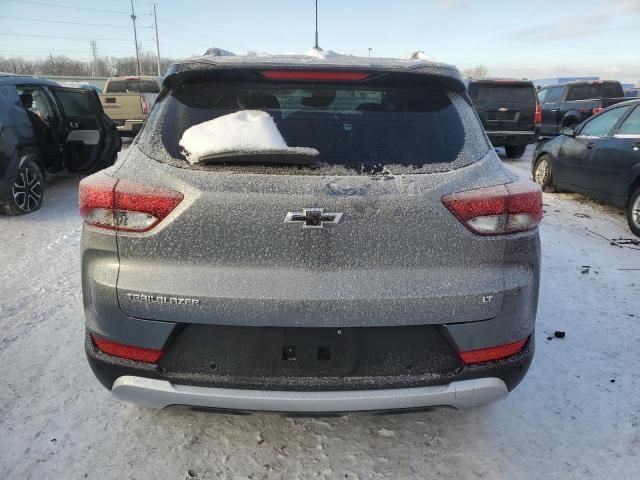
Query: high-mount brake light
(498, 210)
(144, 104)
(113, 204)
(314, 75)
(127, 351)
(537, 119)
(492, 353)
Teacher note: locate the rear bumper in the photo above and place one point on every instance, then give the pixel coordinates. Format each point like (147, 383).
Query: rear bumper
(130, 126)
(501, 138)
(155, 386)
(154, 393)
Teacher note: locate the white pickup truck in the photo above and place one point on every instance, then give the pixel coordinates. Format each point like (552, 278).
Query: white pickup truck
(128, 101)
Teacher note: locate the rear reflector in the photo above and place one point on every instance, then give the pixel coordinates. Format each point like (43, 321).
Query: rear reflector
(127, 351)
(499, 210)
(311, 75)
(123, 205)
(493, 353)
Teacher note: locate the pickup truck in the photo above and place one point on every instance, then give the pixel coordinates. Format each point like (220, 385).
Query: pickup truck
(569, 104)
(128, 101)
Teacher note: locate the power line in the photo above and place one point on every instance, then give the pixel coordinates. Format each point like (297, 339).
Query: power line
(63, 38)
(208, 37)
(68, 23)
(199, 45)
(73, 7)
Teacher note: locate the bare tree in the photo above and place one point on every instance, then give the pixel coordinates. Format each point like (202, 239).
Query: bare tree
(479, 71)
(62, 65)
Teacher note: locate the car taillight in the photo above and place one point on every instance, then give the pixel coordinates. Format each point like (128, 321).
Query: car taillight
(144, 104)
(113, 204)
(537, 119)
(311, 75)
(127, 351)
(492, 353)
(499, 210)
(596, 110)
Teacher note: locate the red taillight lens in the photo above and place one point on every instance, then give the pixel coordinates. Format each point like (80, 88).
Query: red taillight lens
(114, 204)
(127, 351)
(537, 119)
(499, 210)
(596, 110)
(144, 104)
(493, 353)
(311, 75)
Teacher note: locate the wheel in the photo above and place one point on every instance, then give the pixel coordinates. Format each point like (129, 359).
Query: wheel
(26, 193)
(542, 173)
(633, 212)
(515, 151)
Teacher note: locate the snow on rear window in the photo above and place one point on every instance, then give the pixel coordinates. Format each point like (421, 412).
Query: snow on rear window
(243, 131)
(355, 128)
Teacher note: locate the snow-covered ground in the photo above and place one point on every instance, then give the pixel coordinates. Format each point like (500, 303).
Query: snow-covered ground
(576, 414)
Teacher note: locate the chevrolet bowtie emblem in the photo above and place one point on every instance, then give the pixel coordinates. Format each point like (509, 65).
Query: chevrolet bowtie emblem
(312, 217)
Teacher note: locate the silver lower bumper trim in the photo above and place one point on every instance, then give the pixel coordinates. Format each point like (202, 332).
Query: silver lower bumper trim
(160, 394)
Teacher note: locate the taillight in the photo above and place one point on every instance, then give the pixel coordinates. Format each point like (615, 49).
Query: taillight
(123, 205)
(144, 104)
(492, 353)
(499, 210)
(127, 351)
(596, 110)
(537, 119)
(311, 75)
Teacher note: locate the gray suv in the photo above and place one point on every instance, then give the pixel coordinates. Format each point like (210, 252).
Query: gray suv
(306, 235)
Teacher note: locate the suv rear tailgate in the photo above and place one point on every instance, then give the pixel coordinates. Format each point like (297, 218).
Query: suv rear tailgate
(390, 261)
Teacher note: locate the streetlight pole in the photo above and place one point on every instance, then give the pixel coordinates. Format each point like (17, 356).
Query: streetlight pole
(135, 36)
(155, 21)
(317, 47)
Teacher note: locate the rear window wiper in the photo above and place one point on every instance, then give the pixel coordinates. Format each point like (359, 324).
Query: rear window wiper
(289, 156)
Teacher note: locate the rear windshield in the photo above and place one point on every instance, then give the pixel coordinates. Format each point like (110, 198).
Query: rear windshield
(132, 86)
(501, 93)
(351, 126)
(594, 90)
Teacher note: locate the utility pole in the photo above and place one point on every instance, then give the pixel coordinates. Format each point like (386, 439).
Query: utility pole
(94, 56)
(155, 21)
(135, 36)
(317, 47)
(370, 51)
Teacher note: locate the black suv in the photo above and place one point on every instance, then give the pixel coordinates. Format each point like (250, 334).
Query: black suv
(45, 127)
(509, 111)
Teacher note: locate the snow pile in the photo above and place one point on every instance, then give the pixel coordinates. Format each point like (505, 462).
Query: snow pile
(417, 55)
(245, 131)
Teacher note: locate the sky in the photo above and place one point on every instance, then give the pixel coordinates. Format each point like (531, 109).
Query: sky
(545, 38)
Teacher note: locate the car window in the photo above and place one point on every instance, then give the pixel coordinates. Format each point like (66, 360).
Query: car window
(611, 90)
(132, 86)
(584, 92)
(542, 94)
(553, 95)
(631, 126)
(357, 127)
(601, 125)
(74, 104)
(40, 103)
(501, 93)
